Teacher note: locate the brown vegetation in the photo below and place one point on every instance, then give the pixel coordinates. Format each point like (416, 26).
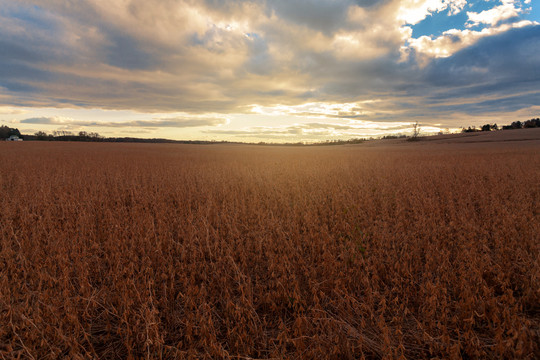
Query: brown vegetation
(411, 250)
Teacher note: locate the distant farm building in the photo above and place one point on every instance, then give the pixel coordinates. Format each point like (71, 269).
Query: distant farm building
(14, 138)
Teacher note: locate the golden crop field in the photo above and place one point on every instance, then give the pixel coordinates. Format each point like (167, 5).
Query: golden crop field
(378, 250)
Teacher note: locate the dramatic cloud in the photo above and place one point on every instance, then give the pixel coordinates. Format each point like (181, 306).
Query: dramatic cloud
(157, 123)
(265, 61)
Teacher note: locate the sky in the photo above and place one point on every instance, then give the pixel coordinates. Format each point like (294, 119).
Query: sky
(275, 71)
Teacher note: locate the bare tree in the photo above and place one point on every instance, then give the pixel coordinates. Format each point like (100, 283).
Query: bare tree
(416, 131)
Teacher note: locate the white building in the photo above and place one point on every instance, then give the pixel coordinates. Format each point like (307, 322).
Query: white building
(14, 138)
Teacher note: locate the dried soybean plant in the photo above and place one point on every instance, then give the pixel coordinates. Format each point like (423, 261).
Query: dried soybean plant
(170, 251)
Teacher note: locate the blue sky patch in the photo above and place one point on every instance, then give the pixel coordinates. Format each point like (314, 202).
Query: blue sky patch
(437, 23)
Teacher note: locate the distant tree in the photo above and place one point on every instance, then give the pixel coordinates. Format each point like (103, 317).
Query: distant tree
(398, 136)
(532, 123)
(41, 135)
(517, 125)
(6, 132)
(416, 131)
(15, 132)
(489, 127)
(62, 133)
(94, 136)
(469, 129)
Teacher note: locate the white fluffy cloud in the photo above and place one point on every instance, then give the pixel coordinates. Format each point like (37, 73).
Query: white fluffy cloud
(494, 16)
(414, 11)
(454, 40)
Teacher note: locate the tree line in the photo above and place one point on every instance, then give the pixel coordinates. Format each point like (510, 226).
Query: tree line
(63, 135)
(532, 123)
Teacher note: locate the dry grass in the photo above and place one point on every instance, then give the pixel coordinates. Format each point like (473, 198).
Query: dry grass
(169, 251)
